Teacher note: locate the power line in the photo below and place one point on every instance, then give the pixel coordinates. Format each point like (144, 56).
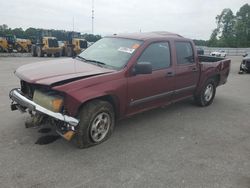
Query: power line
(92, 16)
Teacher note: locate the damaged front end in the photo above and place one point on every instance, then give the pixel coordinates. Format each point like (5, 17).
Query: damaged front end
(43, 106)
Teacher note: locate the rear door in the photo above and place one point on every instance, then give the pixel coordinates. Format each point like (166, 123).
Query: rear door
(150, 90)
(187, 72)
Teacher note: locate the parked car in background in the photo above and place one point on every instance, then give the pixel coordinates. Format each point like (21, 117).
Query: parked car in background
(245, 64)
(116, 77)
(220, 53)
(200, 50)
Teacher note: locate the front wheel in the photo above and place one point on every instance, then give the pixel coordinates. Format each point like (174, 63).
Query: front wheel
(97, 120)
(39, 52)
(207, 94)
(57, 54)
(19, 49)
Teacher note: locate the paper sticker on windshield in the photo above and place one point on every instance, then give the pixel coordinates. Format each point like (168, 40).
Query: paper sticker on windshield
(127, 50)
(135, 46)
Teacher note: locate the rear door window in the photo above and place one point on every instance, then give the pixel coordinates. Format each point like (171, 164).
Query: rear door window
(184, 53)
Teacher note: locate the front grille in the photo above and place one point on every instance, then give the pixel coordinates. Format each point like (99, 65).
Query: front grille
(53, 43)
(27, 89)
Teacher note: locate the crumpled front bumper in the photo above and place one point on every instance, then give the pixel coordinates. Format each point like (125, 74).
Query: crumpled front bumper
(24, 103)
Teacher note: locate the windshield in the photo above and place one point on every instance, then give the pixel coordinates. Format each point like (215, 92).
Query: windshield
(111, 52)
(53, 43)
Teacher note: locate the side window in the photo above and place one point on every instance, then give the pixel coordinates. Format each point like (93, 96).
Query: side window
(158, 54)
(184, 52)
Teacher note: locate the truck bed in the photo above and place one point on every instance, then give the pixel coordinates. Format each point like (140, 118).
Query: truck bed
(209, 59)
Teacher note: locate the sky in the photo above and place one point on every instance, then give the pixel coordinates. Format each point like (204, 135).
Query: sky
(190, 18)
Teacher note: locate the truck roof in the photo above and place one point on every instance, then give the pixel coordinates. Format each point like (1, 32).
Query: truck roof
(148, 35)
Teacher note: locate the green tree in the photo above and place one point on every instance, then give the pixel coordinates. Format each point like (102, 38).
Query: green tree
(232, 30)
(225, 30)
(243, 26)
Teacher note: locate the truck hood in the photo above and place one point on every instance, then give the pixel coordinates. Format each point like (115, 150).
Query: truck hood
(59, 70)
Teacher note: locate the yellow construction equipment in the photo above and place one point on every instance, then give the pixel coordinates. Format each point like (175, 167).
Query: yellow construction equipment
(4, 47)
(74, 45)
(46, 44)
(23, 45)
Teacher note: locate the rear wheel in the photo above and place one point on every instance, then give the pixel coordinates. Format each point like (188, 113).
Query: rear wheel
(57, 54)
(39, 52)
(69, 52)
(207, 94)
(19, 48)
(33, 51)
(97, 120)
(49, 55)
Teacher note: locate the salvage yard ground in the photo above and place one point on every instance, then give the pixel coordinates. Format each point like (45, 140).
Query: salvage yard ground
(177, 146)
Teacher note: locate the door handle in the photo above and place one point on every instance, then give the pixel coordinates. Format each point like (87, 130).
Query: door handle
(170, 74)
(194, 69)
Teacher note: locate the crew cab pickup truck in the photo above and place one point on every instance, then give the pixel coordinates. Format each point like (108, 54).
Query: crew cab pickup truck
(116, 77)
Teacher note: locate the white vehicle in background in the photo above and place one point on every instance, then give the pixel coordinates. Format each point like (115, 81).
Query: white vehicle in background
(220, 53)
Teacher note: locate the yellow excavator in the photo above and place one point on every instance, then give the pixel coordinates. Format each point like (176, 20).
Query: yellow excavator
(9, 43)
(74, 45)
(23, 45)
(46, 45)
(4, 47)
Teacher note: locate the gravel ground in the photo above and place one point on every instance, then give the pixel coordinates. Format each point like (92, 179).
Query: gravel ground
(181, 145)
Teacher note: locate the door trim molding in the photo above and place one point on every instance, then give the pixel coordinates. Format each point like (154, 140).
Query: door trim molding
(165, 94)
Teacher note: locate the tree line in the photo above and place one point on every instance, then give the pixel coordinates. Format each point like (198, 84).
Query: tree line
(33, 33)
(233, 30)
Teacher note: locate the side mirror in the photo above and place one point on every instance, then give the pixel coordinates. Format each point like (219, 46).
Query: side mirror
(142, 68)
(245, 55)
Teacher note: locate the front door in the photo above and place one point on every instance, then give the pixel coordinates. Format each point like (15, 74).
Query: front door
(150, 90)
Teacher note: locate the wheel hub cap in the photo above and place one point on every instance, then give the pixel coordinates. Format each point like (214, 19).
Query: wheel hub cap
(208, 92)
(100, 127)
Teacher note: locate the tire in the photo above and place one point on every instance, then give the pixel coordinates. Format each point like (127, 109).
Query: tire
(33, 51)
(207, 94)
(1, 49)
(57, 54)
(91, 116)
(19, 49)
(49, 55)
(39, 52)
(69, 52)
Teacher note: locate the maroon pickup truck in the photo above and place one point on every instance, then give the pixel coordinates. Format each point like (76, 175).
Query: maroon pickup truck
(116, 77)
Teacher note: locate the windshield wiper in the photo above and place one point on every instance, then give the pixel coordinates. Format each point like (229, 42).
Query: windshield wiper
(81, 58)
(92, 61)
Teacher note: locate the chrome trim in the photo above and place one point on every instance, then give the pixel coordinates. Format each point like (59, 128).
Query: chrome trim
(178, 91)
(165, 94)
(150, 98)
(21, 100)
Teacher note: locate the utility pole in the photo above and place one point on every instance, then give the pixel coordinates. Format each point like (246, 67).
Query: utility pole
(92, 16)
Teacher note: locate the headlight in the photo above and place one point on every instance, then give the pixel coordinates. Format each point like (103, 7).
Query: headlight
(49, 100)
